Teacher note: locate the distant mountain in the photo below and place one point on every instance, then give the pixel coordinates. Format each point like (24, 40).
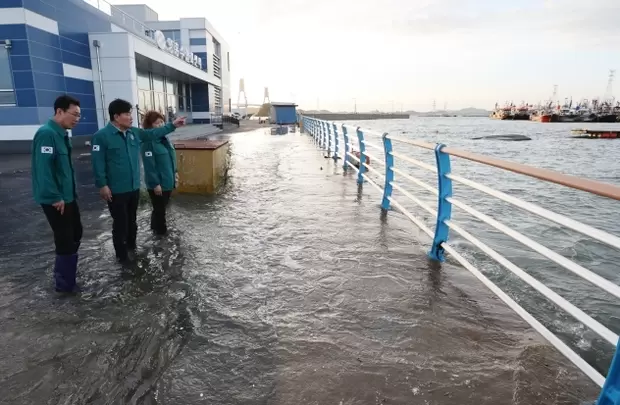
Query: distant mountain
(464, 112)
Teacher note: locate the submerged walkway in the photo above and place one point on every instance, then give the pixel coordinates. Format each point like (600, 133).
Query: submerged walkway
(288, 288)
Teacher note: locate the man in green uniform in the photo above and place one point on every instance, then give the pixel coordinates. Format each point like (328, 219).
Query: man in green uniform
(53, 187)
(116, 166)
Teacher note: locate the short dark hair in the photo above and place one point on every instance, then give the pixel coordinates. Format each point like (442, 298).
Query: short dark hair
(118, 107)
(64, 102)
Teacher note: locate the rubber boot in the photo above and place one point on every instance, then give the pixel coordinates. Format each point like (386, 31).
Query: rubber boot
(65, 270)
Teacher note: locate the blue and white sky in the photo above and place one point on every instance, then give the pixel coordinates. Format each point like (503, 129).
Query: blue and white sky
(408, 53)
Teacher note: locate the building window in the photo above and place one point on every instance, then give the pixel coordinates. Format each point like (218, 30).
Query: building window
(7, 90)
(144, 81)
(198, 41)
(217, 47)
(175, 35)
(181, 95)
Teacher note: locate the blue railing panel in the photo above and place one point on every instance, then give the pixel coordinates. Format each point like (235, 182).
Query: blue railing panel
(347, 148)
(444, 207)
(329, 138)
(362, 146)
(610, 394)
(336, 145)
(389, 172)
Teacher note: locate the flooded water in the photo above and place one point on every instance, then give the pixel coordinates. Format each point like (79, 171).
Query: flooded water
(288, 288)
(551, 147)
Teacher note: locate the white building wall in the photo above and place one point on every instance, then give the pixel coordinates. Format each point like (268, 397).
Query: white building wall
(226, 95)
(118, 70)
(201, 28)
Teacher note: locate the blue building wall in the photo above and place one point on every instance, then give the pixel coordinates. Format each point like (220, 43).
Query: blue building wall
(200, 101)
(285, 114)
(37, 58)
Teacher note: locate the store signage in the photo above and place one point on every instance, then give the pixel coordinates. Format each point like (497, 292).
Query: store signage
(173, 47)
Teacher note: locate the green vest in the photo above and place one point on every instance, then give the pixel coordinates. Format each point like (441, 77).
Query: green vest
(53, 177)
(116, 156)
(160, 164)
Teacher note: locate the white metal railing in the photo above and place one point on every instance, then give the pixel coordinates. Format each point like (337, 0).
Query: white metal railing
(337, 141)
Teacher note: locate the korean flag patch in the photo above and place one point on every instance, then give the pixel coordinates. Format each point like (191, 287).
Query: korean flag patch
(95, 148)
(47, 149)
(148, 154)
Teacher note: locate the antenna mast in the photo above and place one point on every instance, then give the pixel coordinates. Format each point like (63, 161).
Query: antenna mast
(245, 97)
(266, 99)
(609, 92)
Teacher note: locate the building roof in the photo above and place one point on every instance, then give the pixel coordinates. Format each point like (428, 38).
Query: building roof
(283, 104)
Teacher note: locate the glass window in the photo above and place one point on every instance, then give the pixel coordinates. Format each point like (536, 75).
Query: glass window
(160, 103)
(188, 97)
(172, 103)
(144, 82)
(158, 83)
(7, 91)
(171, 86)
(145, 100)
(181, 103)
(217, 47)
(172, 34)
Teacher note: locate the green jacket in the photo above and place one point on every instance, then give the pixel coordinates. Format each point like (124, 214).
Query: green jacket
(116, 157)
(160, 164)
(53, 178)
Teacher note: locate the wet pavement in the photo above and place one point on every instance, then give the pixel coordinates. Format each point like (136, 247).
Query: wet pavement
(289, 287)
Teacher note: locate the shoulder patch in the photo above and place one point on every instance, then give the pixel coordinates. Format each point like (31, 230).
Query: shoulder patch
(95, 148)
(148, 153)
(47, 149)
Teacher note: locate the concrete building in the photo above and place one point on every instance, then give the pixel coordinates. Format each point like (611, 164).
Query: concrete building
(98, 52)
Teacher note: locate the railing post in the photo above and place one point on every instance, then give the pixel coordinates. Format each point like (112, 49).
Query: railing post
(323, 137)
(329, 138)
(335, 141)
(444, 207)
(610, 394)
(389, 172)
(314, 131)
(362, 168)
(345, 165)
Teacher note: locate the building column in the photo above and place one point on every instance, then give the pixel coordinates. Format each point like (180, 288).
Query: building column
(118, 71)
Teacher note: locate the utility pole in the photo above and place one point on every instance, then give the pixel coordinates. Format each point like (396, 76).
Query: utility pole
(355, 106)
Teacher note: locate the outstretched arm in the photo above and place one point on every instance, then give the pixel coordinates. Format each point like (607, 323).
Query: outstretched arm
(152, 134)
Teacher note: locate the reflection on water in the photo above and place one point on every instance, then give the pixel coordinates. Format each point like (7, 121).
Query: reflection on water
(289, 288)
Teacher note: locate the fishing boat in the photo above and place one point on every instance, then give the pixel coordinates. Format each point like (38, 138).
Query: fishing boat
(595, 134)
(502, 113)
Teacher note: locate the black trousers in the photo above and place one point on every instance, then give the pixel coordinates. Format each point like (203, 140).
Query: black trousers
(124, 209)
(67, 227)
(158, 216)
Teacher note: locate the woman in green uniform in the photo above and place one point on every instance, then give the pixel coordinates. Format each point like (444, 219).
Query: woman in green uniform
(160, 171)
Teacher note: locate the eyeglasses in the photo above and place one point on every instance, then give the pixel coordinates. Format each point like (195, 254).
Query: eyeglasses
(76, 115)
